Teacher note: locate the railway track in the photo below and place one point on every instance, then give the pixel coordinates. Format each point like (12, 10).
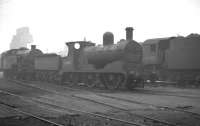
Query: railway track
(75, 110)
(121, 99)
(139, 91)
(165, 93)
(148, 104)
(142, 91)
(102, 103)
(11, 107)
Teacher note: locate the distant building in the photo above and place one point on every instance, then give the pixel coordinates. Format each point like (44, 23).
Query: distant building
(21, 39)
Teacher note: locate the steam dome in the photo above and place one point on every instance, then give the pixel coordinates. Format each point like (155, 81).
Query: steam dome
(108, 38)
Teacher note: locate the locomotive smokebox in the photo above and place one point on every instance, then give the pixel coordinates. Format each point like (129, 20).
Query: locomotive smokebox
(129, 33)
(33, 47)
(108, 38)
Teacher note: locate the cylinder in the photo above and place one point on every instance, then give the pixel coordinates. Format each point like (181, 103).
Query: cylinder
(129, 33)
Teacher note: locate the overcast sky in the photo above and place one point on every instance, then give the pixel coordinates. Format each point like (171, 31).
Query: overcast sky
(54, 22)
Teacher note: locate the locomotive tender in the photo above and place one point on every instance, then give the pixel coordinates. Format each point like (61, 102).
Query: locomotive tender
(173, 58)
(107, 66)
(19, 62)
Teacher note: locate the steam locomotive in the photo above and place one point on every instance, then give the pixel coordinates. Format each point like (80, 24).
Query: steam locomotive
(125, 64)
(173, 58)
(108, 66)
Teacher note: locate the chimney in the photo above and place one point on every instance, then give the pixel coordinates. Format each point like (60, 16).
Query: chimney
(129, 33)
(33, 47)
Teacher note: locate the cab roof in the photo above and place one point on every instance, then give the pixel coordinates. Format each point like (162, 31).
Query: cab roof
(154, 41)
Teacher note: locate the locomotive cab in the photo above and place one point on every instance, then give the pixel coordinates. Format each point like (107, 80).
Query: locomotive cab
(75, 51)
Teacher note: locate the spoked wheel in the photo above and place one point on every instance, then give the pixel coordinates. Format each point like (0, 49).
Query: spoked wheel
(112, 81)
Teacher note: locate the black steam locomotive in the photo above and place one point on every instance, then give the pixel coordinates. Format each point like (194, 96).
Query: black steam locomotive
(110, 66)
(173, 58)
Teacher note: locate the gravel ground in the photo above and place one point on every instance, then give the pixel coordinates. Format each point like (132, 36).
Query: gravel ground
(80, 119)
